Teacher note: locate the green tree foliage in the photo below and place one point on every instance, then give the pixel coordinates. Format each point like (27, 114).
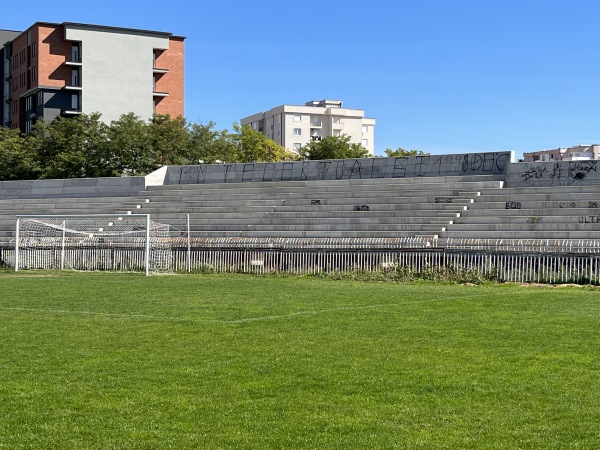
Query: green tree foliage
(84, 146)
(71, 148)
(332, 147)
(17, 161)
(169, 138)
(252, 145)
(402, 152)
(129, 152)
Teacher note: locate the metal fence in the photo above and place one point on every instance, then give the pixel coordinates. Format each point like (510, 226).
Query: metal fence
(319, 256)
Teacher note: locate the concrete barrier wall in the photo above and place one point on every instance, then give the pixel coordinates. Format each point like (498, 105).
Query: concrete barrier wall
(365, 168)
(559, 173)
(73, 187)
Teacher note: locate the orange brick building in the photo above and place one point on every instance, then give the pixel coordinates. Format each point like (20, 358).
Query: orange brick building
(71, 68)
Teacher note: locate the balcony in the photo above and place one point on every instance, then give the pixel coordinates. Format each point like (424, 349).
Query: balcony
(157, 70)
(337, 125)
(160, 94)
(316, 124)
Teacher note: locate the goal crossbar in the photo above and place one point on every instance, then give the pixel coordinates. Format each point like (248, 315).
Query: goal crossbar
(47, 237)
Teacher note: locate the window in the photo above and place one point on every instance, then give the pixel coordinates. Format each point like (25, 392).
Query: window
(297, 118)
(336, 120)
(297, 132)
(34, 73)
(278, 119)
(28, 103)
(365, 143)
(297, 146)
(75, 81)
(337, 133)
(75, 102)
(40, 98)
(28, 127)
(365, 128)
(75, 52)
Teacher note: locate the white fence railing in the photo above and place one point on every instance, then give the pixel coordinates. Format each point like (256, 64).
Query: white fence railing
(512, 266)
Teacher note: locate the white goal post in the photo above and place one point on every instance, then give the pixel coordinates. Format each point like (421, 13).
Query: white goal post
(114, 242)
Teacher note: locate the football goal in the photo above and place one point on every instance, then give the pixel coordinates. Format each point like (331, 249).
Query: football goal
(112, 242)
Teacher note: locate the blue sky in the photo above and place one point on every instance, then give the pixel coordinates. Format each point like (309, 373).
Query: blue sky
(443, 76)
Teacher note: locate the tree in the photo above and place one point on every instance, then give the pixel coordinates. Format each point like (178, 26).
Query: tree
(17, 161)
(401, 152)
(254, 146)
(169, 138)
(129, 146)
(71, 147)
(332, 147)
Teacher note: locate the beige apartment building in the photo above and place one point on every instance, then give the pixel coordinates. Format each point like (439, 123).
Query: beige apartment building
(578, 153)
(294, 126)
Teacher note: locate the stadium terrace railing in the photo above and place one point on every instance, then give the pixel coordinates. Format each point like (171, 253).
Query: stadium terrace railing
(499, 260)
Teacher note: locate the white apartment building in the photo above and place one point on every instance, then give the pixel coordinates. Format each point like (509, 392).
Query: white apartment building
(293, 126)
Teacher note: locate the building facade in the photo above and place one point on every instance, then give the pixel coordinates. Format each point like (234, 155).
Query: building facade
(293, 126)
(67, 69)
(578, 153)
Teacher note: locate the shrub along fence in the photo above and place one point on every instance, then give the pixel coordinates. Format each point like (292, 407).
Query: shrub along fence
(313, 258)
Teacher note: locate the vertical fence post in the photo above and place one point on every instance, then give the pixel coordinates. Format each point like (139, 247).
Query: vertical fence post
(17, 231)
(189, 246)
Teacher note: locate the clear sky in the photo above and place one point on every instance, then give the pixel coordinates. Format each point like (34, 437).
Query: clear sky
(442, 76)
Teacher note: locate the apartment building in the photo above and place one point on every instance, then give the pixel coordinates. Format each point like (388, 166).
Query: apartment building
(578, 153)
(66, 69)
(293, 126)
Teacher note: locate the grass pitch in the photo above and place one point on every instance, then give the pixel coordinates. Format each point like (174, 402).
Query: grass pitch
(118, 361)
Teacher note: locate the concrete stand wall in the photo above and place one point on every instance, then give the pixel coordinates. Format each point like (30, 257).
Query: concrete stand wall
(343, 169)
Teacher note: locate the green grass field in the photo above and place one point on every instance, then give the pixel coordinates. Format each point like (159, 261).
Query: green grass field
(120, 361)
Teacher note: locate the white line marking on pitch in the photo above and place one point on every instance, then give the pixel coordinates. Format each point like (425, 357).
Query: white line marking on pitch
(247, 319)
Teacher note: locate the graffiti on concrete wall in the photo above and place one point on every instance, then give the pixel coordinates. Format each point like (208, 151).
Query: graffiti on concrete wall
(349, 169)
(561, 173)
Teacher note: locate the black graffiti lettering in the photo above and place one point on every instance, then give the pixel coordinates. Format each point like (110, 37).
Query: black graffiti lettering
(339, 169)
(454, 164)
(361, 207)
(286, 171)
(303, 174)
(248, 169)
(324, 168)
(268, 172)
(421, 166)
(513, 205)
(201, 179)
(502, 160)
(227, 169)
(444, 199)
(400, 167)
(356, 168)
(534, 171)
(589, 219)
(489, 160)
(476, 162)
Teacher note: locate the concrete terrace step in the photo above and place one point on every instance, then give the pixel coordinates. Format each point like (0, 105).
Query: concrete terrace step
(481, 234)
(501, 213)
(276, 228)
(565, 227)
(304, 234)
(499, 179)
(520, 219)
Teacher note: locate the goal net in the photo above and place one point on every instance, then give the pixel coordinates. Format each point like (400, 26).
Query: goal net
(112, 242)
